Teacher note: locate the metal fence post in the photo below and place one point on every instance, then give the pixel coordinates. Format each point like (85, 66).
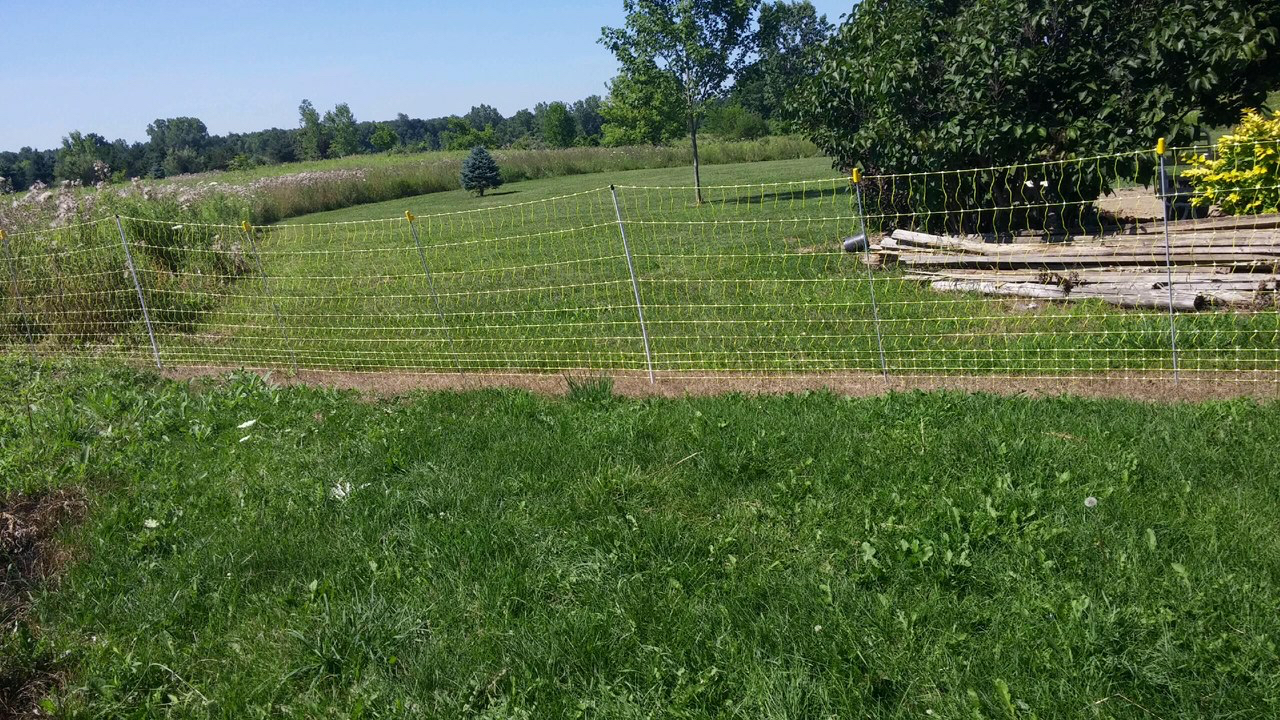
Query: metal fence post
(1168, 258)
(142, 300)
(856, 177)
(266, 288)
(635, 285)
(17, 291)
(431, 285)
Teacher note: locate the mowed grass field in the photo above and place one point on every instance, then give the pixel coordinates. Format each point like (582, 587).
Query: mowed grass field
(534, 278)
(252, 551)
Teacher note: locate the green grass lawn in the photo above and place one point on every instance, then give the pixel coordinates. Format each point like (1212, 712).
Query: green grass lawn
(502, 555)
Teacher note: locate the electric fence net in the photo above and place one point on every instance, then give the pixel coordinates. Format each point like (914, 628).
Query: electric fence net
(1070, 269)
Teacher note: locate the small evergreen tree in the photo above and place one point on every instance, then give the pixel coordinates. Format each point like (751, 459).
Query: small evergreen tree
(480, 172)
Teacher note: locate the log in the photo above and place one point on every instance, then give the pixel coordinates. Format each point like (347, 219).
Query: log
(1000, 289)
(914, 242)
(1142, 298)
(1243, 222)
(1123, 297)
(1061, 261)
(1265, 240)
(1193, 275)
(910, 238)
(1230, 297)
(1189, 286)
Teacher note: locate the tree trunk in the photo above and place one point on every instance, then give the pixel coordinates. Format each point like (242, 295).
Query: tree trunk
(697, 173)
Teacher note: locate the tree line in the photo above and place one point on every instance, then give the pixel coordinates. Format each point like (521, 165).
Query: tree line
(773, 50)
(183, 145)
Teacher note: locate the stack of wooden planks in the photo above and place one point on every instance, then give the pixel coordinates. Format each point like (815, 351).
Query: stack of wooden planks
(1211, 265)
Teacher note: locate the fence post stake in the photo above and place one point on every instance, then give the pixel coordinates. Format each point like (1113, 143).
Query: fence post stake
(635, 285)
(856, 177)
(266, 287)
(1168, 258)
(142, 300)
(17, 291)
(431, 285)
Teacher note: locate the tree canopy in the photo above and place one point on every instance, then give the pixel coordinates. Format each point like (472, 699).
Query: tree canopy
(558, 126)
(697, 44)
(909, 85)
(312, 141)
(341, 125)
(786, 41)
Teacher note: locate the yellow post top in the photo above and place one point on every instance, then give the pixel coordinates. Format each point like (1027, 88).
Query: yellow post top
(246, 226)
(856, 176)
(1160, 146)
(408, 216)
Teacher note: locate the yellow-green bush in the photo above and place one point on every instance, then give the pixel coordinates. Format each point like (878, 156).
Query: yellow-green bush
(1244, 177)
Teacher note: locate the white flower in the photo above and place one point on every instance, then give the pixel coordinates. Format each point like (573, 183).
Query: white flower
(150, 524)
(340, 491)
(817, 628)
(246, 424)
(1091, 501)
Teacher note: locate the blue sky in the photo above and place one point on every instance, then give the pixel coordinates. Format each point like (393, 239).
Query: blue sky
(112, 67)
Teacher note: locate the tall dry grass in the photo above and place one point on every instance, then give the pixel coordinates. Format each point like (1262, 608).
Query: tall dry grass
(279, 197)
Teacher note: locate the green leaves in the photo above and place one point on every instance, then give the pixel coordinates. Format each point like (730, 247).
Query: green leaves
(1016, 81)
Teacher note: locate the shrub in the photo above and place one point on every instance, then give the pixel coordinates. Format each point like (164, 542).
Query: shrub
(243, 162)
(480, 172)
(1243, 177)
(734, 122)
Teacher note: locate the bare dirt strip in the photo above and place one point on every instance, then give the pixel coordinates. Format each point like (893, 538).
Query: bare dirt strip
(1161, 387)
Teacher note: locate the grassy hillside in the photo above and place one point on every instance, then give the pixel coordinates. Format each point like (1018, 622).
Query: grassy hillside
(251, 551)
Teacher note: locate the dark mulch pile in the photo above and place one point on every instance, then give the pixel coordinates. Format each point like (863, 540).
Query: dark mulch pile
(29, 558)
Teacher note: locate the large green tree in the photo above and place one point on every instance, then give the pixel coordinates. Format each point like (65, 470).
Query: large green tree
(586, 115)
(482, 116)
(341, 125)
(83, 158)
(313, 142)
(787, 38)
(171, 134)
(698, 44)
(179, 145)
(643, 108)
(558, 126)
(917, 85)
